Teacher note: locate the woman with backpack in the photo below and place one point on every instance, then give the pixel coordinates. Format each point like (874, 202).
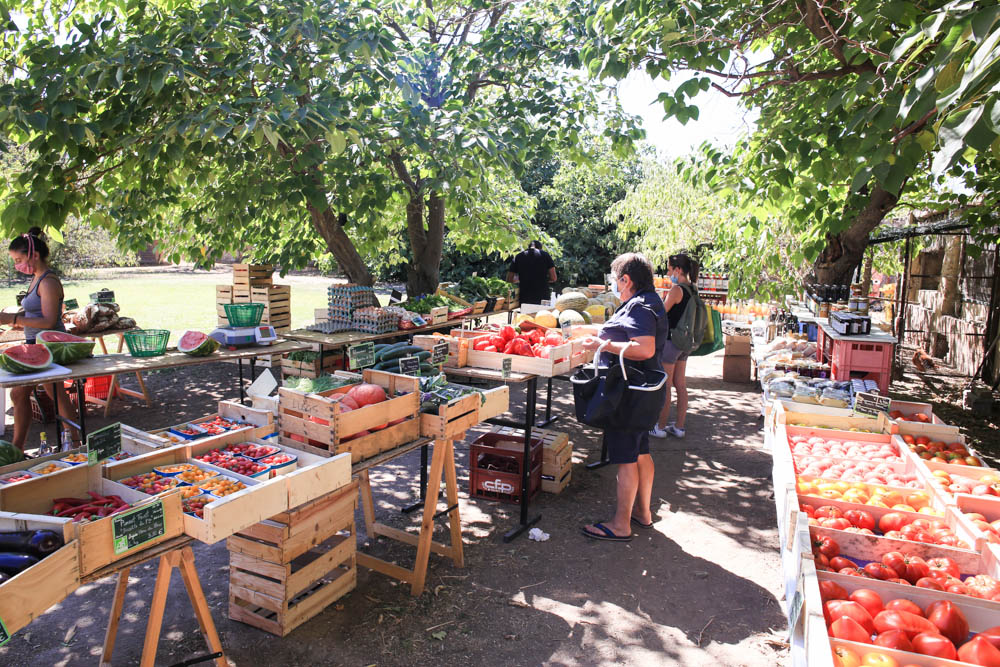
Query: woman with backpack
(682, 271)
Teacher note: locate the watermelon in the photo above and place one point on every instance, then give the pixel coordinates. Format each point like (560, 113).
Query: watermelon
(197, 344)
(26, 358)
(66, 348)
(9, 453)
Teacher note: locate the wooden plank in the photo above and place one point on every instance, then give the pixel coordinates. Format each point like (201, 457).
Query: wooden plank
(267, 530)
(321, 599)
(238, 560)
(248, 580)
(385, 567)
(96, 544)
(318, 479)
(28, 595)
(412, 539)
(239, 611)
(343, 550)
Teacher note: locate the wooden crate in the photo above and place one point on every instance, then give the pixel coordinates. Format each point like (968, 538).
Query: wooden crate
(255, 275)
(457, 299)
(557, 455)
(315, 423)
(26, 596)
(438, 315)
(36, 496)
(223, 295)
(478, 307)
(458, 348)
(311, 369)
(260, 424)
(555, 483)
(562, 359)
(276, 300)
(454, 418)
(286, 570)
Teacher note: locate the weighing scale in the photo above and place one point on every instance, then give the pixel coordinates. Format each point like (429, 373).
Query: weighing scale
(233, 337)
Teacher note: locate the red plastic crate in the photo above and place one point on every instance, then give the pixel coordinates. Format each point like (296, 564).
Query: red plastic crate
(862, 355)
(495, 471)
(842, 373)
(96, 387)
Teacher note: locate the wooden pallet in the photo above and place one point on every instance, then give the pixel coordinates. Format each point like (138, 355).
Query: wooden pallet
(286, 570)
(252, 275)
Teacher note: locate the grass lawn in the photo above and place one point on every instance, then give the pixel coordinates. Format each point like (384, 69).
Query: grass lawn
(176, 302)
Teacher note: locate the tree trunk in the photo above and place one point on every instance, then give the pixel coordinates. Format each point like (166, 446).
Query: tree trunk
(844, 251)
(866, 275)
(951, 268)
(331, 228)
(426, 241)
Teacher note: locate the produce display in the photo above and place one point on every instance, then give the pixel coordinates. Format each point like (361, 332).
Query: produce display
(222, 486)
(424, 305)
(315, 385)
(917, 417)
(48, 468)
(95, 506)
(79, 457)
(21, 359)
(897, 525)
(21, 549)
(510, 340)
(436, 390)
(278, 460)
(387, 357)
(65, 347)
(250, 450)
(195, 505)
(213, 456)
(844, 449)
(476, 288)
(174, 468)
(941, 452)
(986, 485)
(150, 483)
(855, 471)
(190, 491)
(11, 478)
(219, 425)
(863, 493)
(96, 317)
(197, 344)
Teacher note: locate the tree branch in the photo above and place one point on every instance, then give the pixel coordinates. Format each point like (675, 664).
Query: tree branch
(914, 127)
(404, 174)
(794, 76)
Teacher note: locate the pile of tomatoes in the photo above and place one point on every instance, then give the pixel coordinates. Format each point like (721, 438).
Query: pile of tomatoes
(986, 485)
(954, 453)
(533, 343)
(895, 525)
(939, 630)
(863, 493)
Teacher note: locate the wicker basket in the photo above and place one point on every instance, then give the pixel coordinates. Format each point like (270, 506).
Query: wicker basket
(147, 342)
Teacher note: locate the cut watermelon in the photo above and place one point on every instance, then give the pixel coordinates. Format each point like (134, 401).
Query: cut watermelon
(26, 359)
(66, 348)
(197, 344)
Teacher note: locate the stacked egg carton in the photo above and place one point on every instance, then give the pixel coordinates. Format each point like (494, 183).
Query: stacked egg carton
(344, 300)
(374, 320)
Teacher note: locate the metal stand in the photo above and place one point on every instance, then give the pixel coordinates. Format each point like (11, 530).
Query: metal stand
(529, 420)
(604, 459)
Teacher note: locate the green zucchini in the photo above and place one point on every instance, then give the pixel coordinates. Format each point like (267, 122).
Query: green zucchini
(380, 354)
(398, 352)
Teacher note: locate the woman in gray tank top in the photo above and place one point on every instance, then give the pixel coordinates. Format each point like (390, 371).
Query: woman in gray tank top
(42, 312)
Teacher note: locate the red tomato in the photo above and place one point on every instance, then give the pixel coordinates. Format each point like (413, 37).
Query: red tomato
(959, 589)
(876, 659)
(902, 604)
(892, 521)
(490, 348)
(929, 582)
(835, 609)
(949, 620)
(829, 512)
(944, 564)
(552, 339)
(880, 571)
(910, 568)
(847, 628)
(911, 624)
(865, 597)
(983, 584)
(860, 518)
(896, 639)
(931, 643)
(830, 590)
(904, 582)
(826, 546)
(980, 651)
(853, 572)
(835, 524)
(838, 563)
(993, 634)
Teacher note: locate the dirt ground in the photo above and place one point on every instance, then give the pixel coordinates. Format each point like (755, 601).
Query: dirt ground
(698, 589)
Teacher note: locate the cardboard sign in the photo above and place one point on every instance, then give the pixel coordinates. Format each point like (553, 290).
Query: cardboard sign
(104, 443)
(361, 355)
(4, 635)
(409, 366)
(395, 296)
(137, 527)
(505, 367)
(869, 405)
(439, 353)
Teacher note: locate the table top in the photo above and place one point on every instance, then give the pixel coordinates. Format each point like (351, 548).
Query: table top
(870, 338)
(112, 364)
(345, 338)
(106, 332)
(488, 374)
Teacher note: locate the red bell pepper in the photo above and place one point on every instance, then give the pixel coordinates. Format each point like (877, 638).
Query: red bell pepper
(508, 332)
(490, 348)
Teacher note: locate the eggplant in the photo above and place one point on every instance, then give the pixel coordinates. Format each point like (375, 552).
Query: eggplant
(35, 542)
(4, 577)
(13, 563)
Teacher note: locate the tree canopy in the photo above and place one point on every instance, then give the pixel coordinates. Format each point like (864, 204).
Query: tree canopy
(863, 106)
(293, 127)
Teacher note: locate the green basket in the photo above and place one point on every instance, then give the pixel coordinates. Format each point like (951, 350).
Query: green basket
(244, 314)
(147, 342)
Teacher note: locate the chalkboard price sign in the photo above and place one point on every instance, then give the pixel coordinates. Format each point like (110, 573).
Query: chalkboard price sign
(869, 405)
(4, 635)
(136, 527)
(505, 367)
(361, 355)
(395, 296)
(409, 366)
(439, 353)
(104, 443)
(71, 304)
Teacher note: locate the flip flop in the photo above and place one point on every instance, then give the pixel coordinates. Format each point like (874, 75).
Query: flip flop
(608, 535)
(647, 526)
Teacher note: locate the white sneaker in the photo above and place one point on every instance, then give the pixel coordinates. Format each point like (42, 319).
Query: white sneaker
(657, 432)
(674, 431)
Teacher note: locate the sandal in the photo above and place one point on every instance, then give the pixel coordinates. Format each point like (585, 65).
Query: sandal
(608, 535)
(636, 521)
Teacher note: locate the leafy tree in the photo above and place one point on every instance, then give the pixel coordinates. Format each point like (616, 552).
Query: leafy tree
(291, 127)
(861, 104)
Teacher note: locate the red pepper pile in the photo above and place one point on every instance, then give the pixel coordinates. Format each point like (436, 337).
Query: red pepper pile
(84, 509)
(534, 343)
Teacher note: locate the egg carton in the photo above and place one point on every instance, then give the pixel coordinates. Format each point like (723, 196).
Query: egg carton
(330, 327)
(375, 320)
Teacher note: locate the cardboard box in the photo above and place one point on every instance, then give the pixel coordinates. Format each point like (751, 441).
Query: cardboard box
(735, 369)
(737, 346)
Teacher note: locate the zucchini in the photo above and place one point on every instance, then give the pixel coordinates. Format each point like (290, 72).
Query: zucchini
(427, 369)
(380, 355)
(403, 351)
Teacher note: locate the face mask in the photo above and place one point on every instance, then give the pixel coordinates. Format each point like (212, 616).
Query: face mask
(615, 290)
(25, 268)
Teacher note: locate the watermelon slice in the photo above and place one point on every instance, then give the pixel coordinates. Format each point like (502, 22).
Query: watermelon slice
(197, 344)
(66, 348)
(25, 359)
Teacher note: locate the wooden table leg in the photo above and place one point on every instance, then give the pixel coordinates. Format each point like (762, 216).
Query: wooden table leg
(111, 393)
(430, 509)
(454, 516)
(200, 604)
(367, 504)
(156, 607)
(104, 348)
(116, 614)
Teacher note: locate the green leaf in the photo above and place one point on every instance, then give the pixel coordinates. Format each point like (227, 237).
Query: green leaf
(158, 77)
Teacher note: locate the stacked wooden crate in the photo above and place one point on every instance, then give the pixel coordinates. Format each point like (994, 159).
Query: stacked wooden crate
(286, 570)
(252, 284)
(557, 456)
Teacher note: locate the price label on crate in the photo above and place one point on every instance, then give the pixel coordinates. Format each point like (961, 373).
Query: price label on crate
(4, 635)
(795, 608)
(869, 405)
(361, 355)
(439, 353)
(104, 443)
(71, 304)
(395, 296)
(409, 366)
(505, 367)
(137, 527)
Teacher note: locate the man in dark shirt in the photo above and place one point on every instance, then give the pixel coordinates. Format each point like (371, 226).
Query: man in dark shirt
(534, 270)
